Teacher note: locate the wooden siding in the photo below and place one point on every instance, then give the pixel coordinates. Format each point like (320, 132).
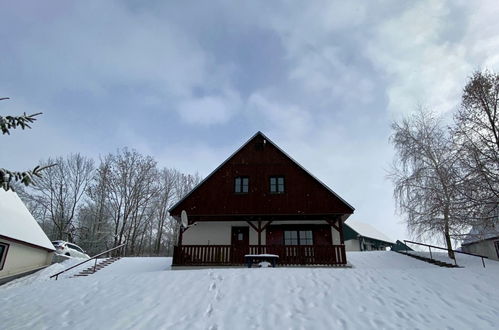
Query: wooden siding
(205, 255)
(259, 161)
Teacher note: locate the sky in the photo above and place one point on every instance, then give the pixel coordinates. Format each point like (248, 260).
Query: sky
(188, 82)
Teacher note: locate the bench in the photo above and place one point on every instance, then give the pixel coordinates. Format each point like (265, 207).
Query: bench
(249, 259)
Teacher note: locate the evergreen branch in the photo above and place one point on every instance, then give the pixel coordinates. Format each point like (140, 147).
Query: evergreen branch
(8, 177)
(12, 122)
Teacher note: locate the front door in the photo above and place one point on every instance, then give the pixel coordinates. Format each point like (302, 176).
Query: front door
(240, 244)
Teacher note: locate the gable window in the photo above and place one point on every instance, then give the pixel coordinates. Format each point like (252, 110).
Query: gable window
(298, 237)
(277, 184)
(3, 254)
(241, 185)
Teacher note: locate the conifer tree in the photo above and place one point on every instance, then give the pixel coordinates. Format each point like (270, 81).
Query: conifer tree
(7, 177)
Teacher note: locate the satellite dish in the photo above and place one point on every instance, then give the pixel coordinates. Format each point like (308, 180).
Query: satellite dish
(183, 219)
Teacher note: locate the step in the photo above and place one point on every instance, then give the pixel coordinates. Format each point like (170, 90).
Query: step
(431, 261)
(93, 269)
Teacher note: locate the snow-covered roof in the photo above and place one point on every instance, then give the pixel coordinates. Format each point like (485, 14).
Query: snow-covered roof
(16, 222)
(366, 230)
(480, 233)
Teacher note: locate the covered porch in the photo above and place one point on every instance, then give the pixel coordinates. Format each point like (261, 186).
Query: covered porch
(303, 240)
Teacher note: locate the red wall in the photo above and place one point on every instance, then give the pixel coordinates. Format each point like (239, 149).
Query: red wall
(259, 161)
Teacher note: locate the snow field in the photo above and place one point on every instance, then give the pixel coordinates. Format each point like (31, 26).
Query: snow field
(383, 290)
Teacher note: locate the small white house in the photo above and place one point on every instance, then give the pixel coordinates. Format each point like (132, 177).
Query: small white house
(364, 237)
(24, 247)
(483, 240)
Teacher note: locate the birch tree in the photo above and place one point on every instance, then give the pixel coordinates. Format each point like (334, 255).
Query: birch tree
(425, 176)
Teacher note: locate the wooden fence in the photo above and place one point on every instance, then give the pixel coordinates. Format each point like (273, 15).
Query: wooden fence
(289, 255)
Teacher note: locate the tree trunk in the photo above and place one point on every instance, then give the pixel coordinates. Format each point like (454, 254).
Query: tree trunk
(450, 252)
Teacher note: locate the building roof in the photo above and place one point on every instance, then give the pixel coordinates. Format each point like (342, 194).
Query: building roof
(17, 223)
(481, 233)
(366, 230)
(266, 139)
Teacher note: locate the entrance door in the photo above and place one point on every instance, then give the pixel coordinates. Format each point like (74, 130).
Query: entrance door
(240, 244)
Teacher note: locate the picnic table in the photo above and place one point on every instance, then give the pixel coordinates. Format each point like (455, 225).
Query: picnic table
(249, 259)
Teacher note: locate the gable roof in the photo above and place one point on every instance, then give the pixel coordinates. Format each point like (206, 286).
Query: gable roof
(481, 233)
(366, 230)
(17, 223)
(266, 139)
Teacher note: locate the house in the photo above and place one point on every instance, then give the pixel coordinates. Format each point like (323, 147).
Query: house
(24, 247)
(400, 246)
(261, 201)
(483, 240)
(364, 237)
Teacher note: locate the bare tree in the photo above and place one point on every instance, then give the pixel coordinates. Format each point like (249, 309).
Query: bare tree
(425, 177)
(165, 198)
(59, 193)
(131, 191)
(476, 136)
(95, 216)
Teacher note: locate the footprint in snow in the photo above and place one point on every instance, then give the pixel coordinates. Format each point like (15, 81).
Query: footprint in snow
(209, 310)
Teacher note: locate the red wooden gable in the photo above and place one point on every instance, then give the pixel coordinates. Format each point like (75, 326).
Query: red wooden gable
(259, 159)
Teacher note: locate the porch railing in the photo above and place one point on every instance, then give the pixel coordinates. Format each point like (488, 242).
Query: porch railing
(231, 255)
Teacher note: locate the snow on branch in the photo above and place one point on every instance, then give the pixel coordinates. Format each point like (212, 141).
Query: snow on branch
(26, 177)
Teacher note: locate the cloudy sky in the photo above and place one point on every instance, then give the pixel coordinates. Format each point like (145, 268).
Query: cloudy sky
(189, 81)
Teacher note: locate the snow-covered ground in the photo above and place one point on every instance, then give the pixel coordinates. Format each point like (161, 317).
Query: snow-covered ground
(383, 290)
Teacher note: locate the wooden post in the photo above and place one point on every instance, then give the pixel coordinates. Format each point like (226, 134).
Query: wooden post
(342, 240)
(259, 236)
(180, 235)
(340, 226)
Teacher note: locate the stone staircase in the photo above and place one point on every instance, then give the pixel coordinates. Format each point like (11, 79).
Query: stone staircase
(429, 260)
(99, 266)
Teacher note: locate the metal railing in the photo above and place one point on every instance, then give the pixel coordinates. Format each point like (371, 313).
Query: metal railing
(442, 248)
(122, 247)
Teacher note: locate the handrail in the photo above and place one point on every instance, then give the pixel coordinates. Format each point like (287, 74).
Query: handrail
(94, 257)
(441, 248)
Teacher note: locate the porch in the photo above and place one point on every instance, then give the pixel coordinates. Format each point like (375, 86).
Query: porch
(230, 255)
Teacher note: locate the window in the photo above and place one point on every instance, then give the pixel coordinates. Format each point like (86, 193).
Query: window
(290, 237)
(241, 184)
(4, 247)
(298, 237)
(277, 184)
(74, 247)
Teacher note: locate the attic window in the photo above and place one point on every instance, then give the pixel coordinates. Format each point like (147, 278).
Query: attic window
(241, 185)
(3, 254)
(277, 184)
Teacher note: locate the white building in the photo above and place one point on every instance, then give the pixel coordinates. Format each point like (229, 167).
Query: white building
(483, 240)
(364, 237)
(24, 247)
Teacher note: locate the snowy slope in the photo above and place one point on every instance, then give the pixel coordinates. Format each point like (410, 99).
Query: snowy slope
(17, 222)
(383, 290)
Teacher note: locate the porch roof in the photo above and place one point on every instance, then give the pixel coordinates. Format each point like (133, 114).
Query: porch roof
(265, 217)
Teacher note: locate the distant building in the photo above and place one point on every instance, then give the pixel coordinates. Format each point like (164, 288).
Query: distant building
(483, 240)
(363, 237)
(400, 246)
(24, 247)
